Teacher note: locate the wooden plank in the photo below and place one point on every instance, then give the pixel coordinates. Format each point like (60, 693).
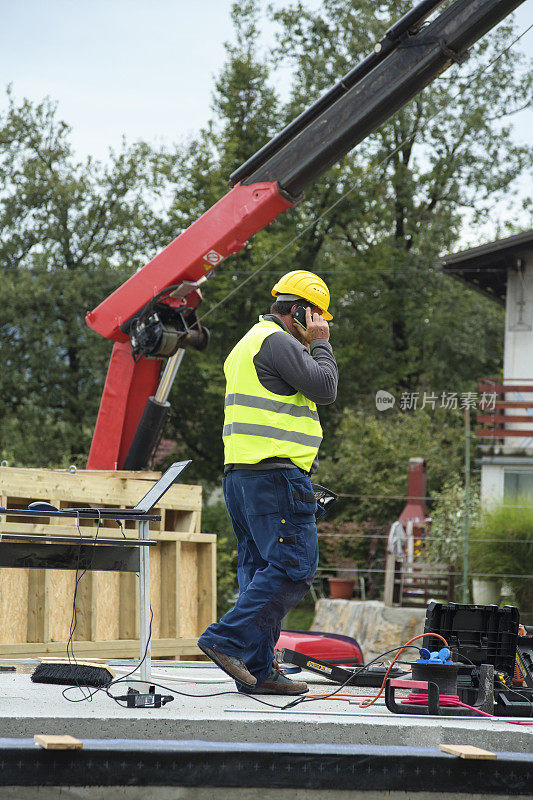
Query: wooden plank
(85, 489)
(188, 577)
(152, 475)
(105, 605)
(513, 404)
(500, 434)
(492, 418)
(207, 586)
(128, 606)
(170, 588)
(59, 587)
(491, 388)
(181, 536)
(85, 617)
(51, 742)
(14, 600)
(36, 529)
(60, 591)
(390, 569)
(38, 606)
(120, 648)
(14, 604)
(468, 751)
(156, 599)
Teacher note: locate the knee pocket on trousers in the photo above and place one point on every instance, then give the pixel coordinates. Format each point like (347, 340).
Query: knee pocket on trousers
(298, 551)
(289, 594)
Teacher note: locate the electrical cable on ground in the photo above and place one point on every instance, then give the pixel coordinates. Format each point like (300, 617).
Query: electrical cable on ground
(400, 650)
(444, 700)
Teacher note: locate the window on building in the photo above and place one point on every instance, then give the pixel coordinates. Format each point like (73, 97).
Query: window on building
(518, 483)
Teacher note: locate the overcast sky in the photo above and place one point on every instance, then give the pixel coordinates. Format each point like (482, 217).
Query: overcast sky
(139, 68)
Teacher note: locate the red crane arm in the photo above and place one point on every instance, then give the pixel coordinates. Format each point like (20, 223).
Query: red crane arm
(222, 231)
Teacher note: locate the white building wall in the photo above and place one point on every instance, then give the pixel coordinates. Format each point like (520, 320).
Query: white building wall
(514, 455)
(518, 345)
(491, 484)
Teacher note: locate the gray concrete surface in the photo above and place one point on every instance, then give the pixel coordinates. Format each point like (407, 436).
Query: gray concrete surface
(222, 793)
(27, 709)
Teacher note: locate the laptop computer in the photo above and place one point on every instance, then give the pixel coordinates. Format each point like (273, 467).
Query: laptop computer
(151, 497)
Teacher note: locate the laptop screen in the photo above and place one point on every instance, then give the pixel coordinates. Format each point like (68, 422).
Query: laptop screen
(150, 499)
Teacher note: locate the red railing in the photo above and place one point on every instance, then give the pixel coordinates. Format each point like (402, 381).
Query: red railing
(499, 405)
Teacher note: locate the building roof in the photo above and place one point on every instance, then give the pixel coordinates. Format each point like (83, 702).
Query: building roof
(485, 268)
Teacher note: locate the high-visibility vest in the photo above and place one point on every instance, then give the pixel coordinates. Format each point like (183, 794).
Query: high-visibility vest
(259, 424)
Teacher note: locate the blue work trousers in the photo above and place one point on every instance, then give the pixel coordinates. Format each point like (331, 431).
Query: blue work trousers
(273, 516)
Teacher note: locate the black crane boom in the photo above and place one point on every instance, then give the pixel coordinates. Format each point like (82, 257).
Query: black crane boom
(409, 58)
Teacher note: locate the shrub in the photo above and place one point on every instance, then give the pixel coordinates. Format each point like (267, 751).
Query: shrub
(510, 527)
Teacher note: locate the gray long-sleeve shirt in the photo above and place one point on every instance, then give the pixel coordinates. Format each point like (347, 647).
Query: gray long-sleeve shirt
(285, 366)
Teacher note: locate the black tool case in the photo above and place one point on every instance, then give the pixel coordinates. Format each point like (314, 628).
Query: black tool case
(482, 635)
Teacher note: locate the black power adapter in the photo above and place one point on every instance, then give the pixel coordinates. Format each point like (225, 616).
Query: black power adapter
(135, 699)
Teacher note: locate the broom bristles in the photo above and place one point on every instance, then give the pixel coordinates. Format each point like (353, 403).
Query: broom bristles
(81, 673)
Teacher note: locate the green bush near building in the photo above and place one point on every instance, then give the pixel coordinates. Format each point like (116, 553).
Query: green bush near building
(501, 543)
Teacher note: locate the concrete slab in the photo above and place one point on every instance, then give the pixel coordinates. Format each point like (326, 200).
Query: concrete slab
(214, 711)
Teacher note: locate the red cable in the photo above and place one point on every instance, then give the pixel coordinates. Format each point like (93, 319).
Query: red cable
(452, 700)
(365, 704)
(421, 699)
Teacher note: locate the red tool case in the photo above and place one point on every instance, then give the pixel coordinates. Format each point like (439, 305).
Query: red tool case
(324, 646)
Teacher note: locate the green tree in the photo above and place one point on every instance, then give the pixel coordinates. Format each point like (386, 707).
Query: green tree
(447, 533)
(370, 457)
(70, 232)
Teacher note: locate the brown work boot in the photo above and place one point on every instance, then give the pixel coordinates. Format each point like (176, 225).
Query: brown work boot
(278, 683)
(234, 667)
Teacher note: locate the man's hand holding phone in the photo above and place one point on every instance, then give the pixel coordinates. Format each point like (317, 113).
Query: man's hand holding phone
(316, 327)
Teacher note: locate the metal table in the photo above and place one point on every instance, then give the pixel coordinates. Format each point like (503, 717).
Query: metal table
(46, 551)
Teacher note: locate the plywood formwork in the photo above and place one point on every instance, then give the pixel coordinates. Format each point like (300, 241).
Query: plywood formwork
(36, 605)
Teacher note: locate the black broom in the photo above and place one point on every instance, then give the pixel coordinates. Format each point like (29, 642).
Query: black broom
(74, 673)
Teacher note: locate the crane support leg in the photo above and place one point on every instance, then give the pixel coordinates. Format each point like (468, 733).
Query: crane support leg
(127, 389)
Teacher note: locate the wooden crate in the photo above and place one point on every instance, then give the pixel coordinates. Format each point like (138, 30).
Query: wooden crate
(36, 605)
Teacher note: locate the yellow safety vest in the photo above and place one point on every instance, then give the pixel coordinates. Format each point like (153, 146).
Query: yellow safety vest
(259, 424)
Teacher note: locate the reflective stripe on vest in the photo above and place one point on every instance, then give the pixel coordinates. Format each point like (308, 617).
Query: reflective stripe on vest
(269, 405)
(260, 424)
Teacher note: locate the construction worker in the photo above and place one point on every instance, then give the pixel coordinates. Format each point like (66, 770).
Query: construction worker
(275, 376)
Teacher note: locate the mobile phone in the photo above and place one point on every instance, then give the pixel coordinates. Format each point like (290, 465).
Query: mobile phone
(299, 317)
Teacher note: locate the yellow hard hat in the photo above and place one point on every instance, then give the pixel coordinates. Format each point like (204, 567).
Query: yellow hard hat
(306, 285)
